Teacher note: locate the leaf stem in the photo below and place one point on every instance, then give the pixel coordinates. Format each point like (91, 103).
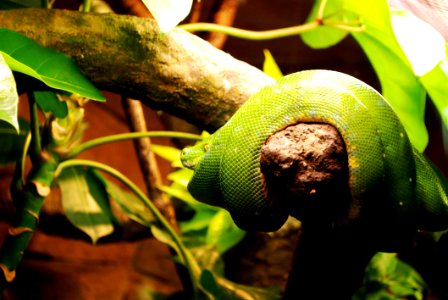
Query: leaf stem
(274, 33)
(86, 5)
(250, 34)
(320, 12)
(19, 173)
(134, 188)
(127, 136)
(345, 27)
(28, 199)
(36, 147)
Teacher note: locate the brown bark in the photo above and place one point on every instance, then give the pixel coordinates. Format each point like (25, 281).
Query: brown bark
(305, 165)
(176, 71)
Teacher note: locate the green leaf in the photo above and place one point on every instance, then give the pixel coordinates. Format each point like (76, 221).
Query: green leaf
(164, 237)
(222, 232)
(49, 102)
(399, 86)
(11, 142)
(85, 202)
(8, 95)
(209, 258)
(270, 67)
(224, 289)
(54, 69)
(436, 84)
(398, 82)
(437, 235)
(184, 195)
(387, 277)
(199, 221)
(168, 13)
(131, 205)
(181, 177)
(326, 36)
(169, 153)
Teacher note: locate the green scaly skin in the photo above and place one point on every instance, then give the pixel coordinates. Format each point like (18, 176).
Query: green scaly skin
(384, 169)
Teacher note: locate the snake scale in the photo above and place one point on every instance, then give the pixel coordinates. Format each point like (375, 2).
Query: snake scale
(383, 165)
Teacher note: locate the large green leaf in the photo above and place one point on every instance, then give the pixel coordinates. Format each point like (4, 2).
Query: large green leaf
(8, 95)
(426, 51)
(399, 84)
(54, 69)
(222, 232)
(11, 142)
(131, 205)
(85, 202)
(436, 83)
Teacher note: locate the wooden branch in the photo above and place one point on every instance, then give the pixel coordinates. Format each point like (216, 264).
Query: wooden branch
(147, 161)
(305, 165)
(176, 72)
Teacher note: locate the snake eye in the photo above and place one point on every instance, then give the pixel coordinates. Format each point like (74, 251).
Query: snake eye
(192, 156)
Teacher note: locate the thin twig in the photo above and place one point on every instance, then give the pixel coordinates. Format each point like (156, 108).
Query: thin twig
(196, 11)
(147, 161)
(36, 147)
(225, 15)
(320, 12)
(250, 34)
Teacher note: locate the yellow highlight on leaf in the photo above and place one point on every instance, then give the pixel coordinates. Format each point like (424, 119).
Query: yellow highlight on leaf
(270, 67)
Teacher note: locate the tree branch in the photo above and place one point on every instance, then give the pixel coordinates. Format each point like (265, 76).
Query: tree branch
(177, 71)
(147, 160)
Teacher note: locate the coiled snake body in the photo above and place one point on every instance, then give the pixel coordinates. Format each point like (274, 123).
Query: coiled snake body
(383, 165)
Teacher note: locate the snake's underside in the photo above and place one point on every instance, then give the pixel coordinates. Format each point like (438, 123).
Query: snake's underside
(383, 165)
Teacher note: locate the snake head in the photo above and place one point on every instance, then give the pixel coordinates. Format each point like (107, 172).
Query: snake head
(192, 156)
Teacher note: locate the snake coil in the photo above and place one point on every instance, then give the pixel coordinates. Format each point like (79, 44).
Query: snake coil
(383, 165)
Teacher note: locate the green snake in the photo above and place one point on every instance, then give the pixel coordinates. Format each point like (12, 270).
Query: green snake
(383, 166)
